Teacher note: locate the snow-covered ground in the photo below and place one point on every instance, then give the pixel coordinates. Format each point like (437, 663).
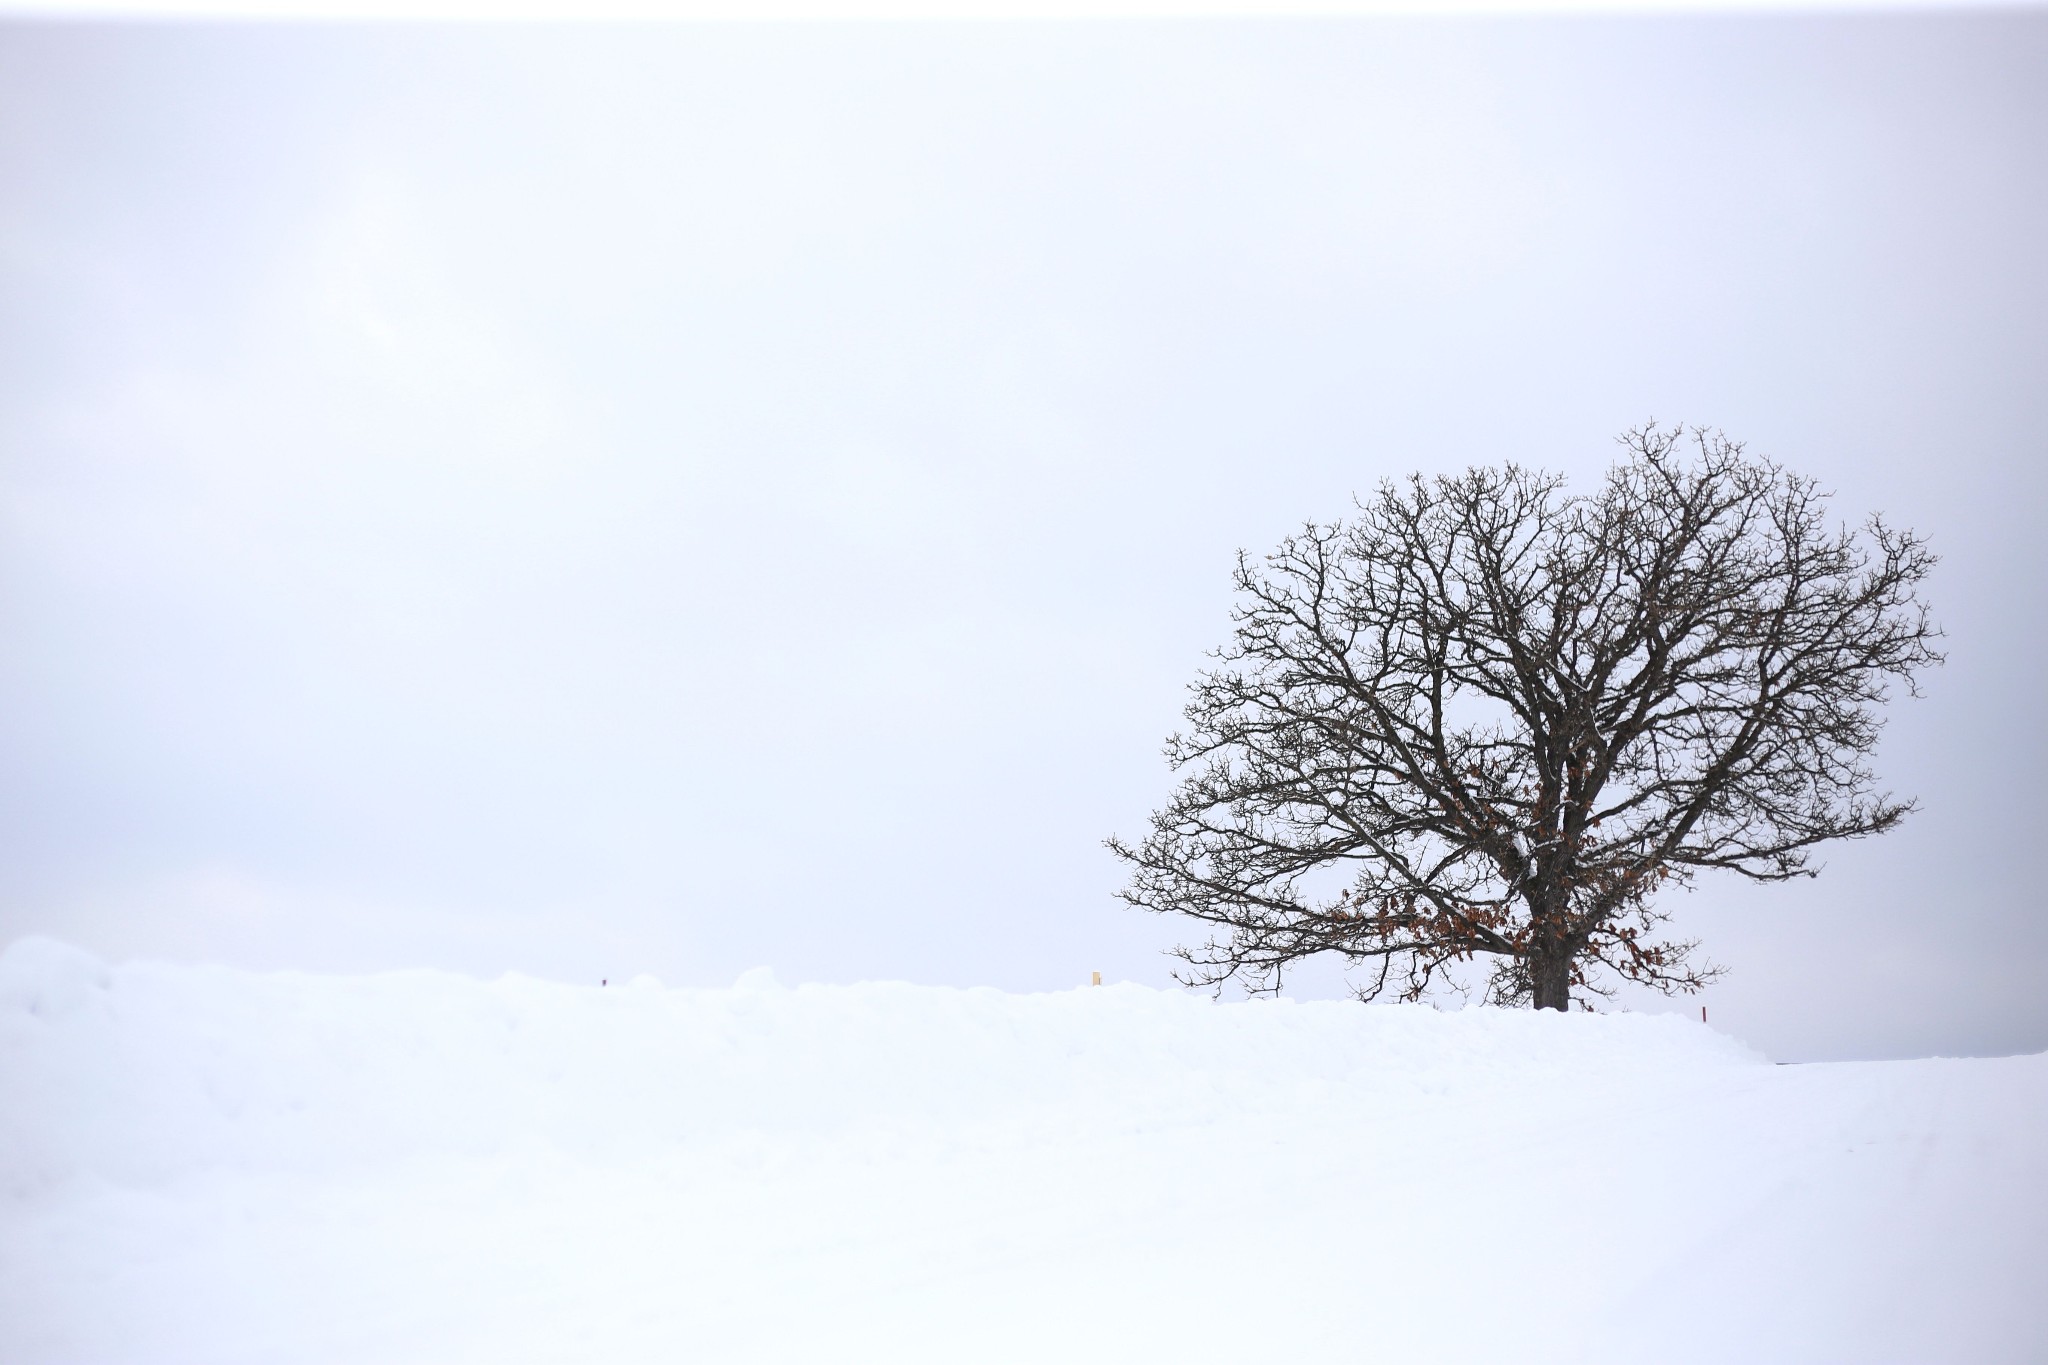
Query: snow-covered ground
(213, 1166)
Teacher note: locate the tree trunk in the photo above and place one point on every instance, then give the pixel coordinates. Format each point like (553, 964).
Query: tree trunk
(1552, 979)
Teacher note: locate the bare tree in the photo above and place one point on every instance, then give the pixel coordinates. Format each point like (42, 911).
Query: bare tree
(1488, 719)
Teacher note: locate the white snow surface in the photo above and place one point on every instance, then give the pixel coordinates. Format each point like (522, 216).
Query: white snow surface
(206, 1165)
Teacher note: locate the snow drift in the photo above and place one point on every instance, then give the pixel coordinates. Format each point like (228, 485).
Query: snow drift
(199, 1164)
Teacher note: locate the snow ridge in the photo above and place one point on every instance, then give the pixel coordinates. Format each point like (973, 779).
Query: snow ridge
(207, 1164)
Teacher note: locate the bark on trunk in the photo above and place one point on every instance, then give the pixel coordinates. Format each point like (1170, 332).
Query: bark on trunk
(1552, 979)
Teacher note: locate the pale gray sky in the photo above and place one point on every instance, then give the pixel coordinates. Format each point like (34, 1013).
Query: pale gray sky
(670, 499)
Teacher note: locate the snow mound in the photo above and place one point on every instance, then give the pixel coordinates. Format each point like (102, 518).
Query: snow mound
(206, 1164)
(45, 979)
(194, 1069)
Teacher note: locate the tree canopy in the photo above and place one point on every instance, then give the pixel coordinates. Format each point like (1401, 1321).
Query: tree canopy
(1486, 719)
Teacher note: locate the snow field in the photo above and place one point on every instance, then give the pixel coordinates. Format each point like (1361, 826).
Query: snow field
(205, 1165)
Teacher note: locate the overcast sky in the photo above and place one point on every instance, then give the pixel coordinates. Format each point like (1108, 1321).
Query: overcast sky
(674, 499)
